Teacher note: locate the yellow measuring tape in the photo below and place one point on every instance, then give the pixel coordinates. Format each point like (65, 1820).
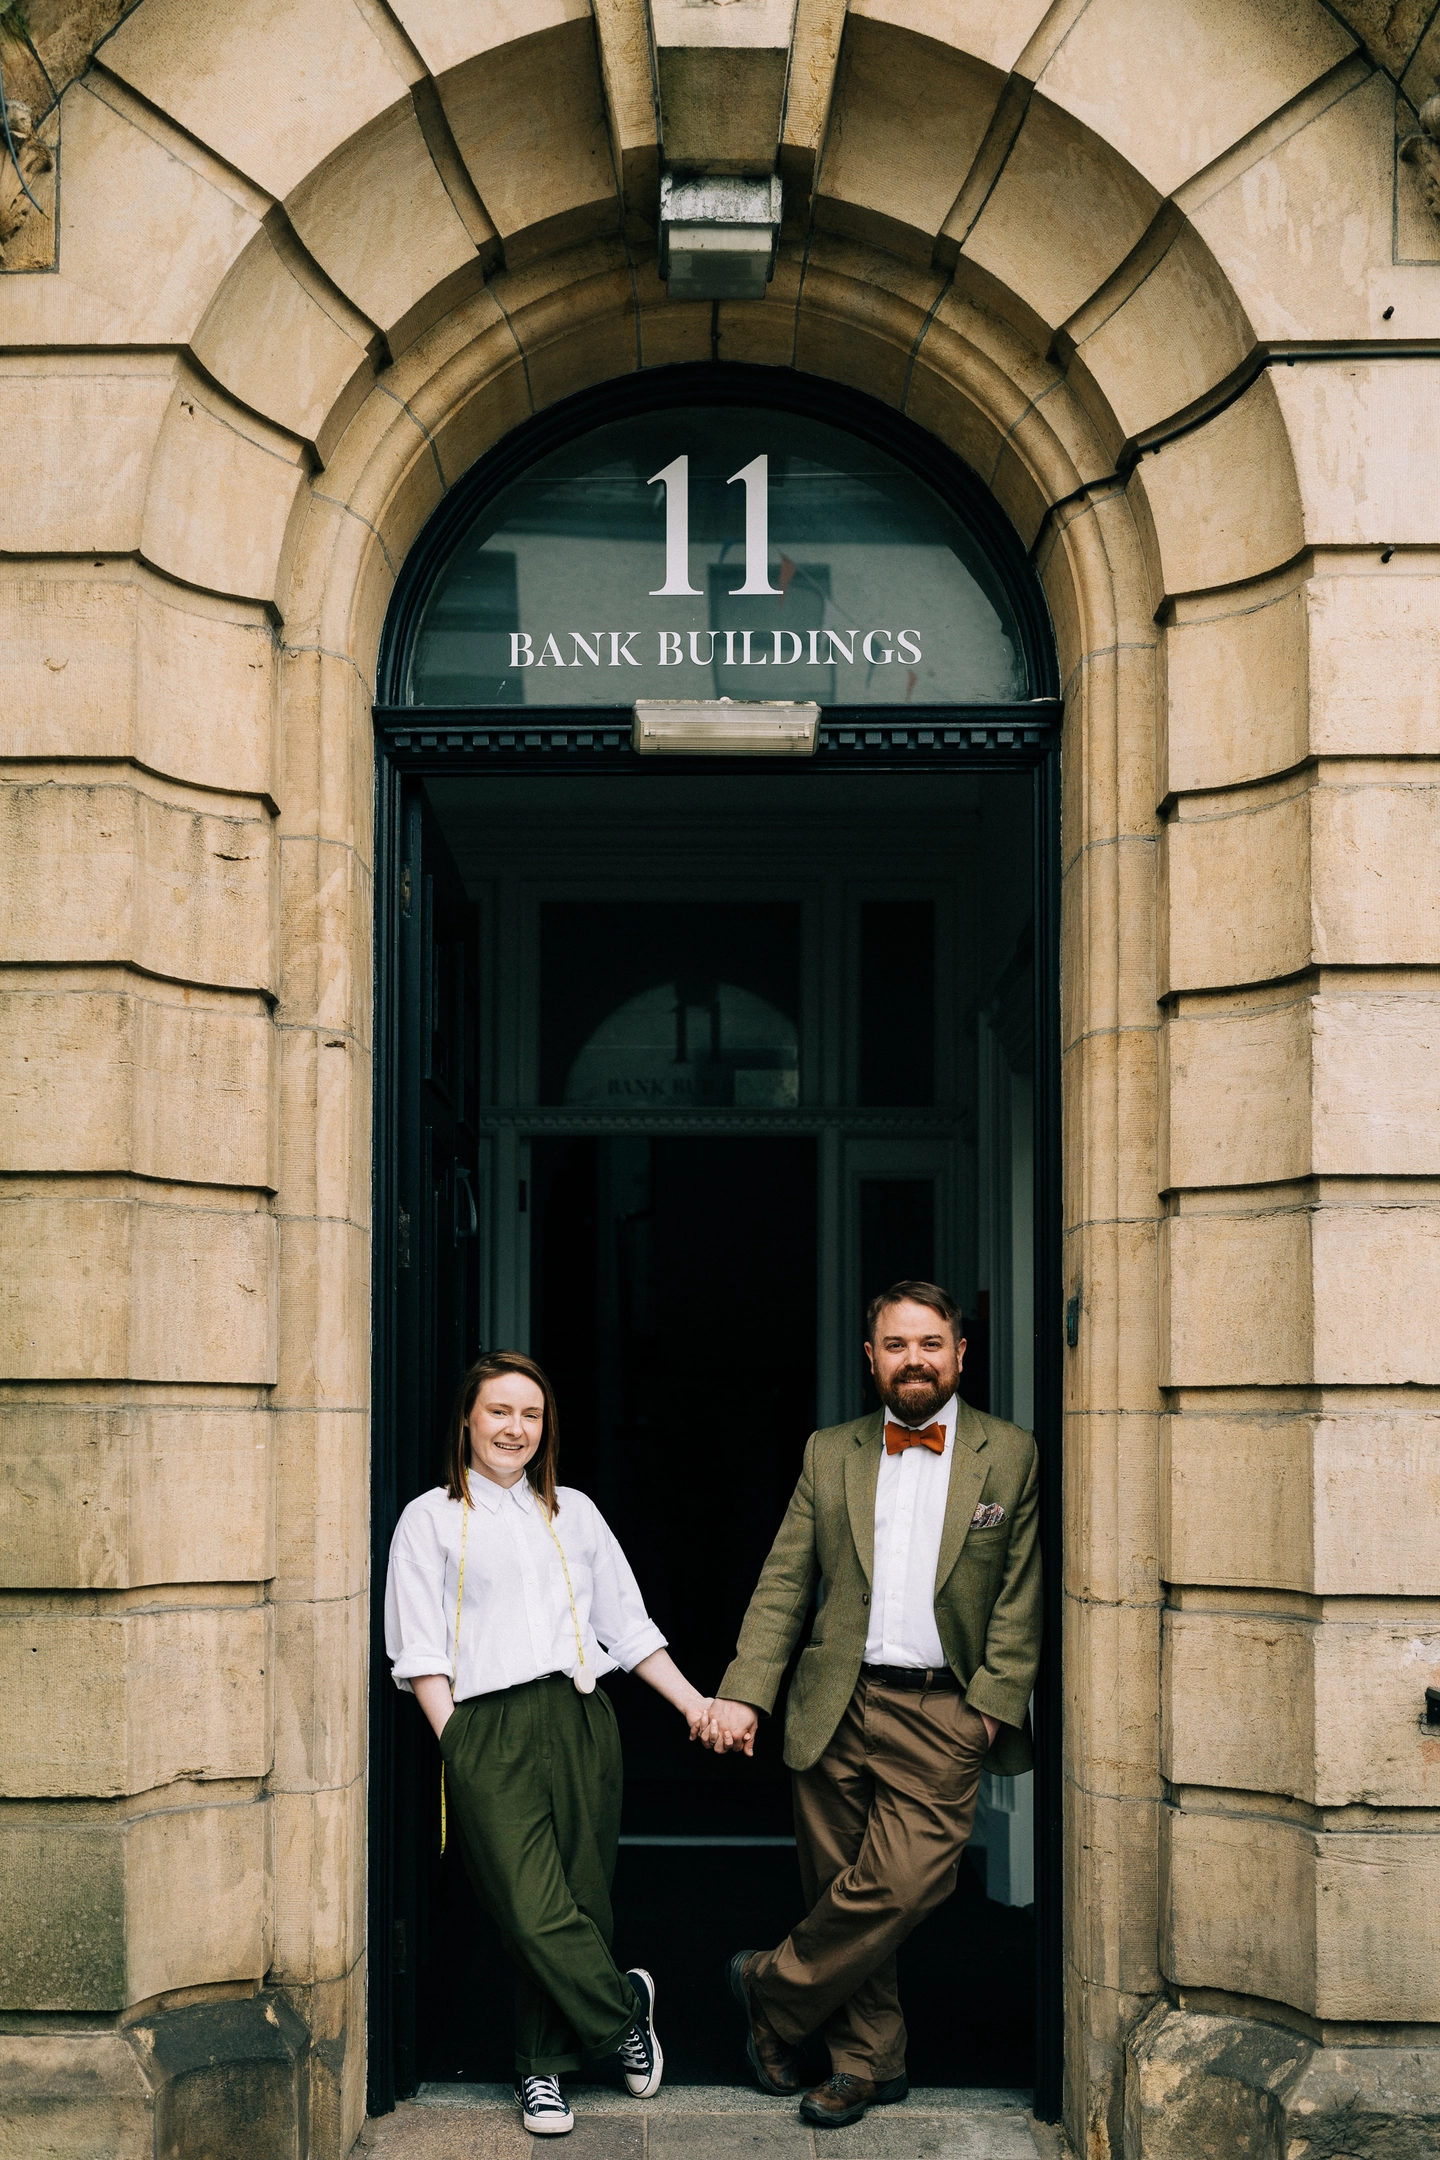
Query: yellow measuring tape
(455, 1677)
(584, 1680)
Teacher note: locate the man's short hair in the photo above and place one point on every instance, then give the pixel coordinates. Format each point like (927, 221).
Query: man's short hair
(915, 1293)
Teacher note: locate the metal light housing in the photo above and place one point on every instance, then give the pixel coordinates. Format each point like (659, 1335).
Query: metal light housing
(720, 727)
(718, 234)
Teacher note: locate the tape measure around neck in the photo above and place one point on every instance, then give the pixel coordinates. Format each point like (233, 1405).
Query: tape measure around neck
(459, 1597)
(583, 1680)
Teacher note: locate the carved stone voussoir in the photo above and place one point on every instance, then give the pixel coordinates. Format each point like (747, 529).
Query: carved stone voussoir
(27, 192)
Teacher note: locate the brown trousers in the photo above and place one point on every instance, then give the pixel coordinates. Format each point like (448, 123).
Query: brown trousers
(880, 1822)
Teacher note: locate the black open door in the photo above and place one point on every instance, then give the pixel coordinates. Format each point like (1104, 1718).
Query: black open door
(432, 1255)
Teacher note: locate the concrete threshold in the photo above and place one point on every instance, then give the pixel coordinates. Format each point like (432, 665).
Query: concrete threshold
(710, 2122)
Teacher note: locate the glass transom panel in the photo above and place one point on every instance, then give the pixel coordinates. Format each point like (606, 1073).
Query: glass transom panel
(708, 552)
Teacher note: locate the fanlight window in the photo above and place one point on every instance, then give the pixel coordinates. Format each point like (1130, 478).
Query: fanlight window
(706, 552)
(666, 1049)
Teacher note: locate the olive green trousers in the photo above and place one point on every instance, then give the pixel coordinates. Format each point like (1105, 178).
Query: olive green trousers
(534, 1777)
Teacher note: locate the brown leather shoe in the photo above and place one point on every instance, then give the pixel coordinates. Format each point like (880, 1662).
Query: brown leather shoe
(775, 2063)
(843, 2099)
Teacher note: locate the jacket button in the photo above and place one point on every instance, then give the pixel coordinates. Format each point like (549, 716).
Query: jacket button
(865, 1597)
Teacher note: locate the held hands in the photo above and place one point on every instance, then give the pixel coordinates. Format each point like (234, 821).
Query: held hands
(730, 1726)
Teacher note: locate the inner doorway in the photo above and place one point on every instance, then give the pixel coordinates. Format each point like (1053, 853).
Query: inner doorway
(702, 1064)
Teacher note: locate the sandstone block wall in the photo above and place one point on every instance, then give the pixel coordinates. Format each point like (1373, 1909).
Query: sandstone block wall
(1159, 275)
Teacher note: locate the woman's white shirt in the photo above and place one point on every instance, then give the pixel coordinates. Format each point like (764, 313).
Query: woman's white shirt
(515, 1621)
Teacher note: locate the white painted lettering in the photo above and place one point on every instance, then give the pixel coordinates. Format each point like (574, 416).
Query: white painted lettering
(620, 647)
(755, 478)
(780, 659)
(814, 648)
(675, 479)
(909, 644)
(522, 652)
(745, 659)
(695, 649)
(729, 648)
(550, 646)
(876, 659)
(670, 653)
(838, 644)
(583, 645)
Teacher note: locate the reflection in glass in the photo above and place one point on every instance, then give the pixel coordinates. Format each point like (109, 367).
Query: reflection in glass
(866, 588)
(673, 1005)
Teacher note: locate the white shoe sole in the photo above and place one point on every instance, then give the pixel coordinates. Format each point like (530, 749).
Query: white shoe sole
(547, 2125)
(646, 2088)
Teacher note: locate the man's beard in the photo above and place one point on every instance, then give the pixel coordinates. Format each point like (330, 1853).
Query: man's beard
(918, 1404)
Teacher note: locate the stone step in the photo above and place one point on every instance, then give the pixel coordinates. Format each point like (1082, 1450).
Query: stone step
(710, 2122)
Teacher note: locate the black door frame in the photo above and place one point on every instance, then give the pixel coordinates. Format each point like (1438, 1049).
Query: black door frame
(414, 742)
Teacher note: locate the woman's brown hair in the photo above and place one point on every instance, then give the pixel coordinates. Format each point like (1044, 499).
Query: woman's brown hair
(541, 1468)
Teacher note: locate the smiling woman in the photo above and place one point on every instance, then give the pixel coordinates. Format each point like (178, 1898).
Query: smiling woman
(534, 1766)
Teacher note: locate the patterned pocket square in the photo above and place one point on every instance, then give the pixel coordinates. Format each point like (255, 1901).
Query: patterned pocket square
(988, 1516)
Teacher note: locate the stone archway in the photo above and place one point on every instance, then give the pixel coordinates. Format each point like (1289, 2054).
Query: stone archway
(1136, 266)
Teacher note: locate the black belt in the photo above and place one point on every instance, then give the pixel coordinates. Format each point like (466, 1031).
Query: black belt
(919, 1678)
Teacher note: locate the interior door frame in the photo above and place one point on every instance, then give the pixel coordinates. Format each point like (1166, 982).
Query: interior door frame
(418, 742)
(408, 745)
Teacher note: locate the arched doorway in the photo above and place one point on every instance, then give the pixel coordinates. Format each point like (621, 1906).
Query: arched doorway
(681, 1055)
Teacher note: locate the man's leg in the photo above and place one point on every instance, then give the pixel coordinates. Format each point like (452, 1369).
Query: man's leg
(920, 1756)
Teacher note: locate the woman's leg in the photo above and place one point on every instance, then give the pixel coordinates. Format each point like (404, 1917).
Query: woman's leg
(536, 1779)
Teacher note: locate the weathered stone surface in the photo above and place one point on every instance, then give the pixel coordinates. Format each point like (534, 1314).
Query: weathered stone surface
(104, 1276)
(109, 870)
(229, 2077)
(76, 2096)
(377, 216)
(116, 1076)
(543, 191)
(284, 345)
(97, 1499)
(910, 115)
(1173, 90)
(1195, 498)
(222, 489)
(107, 1703)
(721, 79)
(148, 226)
(283, 82)
(79, 434)
(1361, 1934)
(126, 666)
(1354, 1694)
(1299, 1528)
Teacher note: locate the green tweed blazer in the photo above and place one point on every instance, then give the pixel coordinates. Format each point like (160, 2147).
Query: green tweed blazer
(987, 1586)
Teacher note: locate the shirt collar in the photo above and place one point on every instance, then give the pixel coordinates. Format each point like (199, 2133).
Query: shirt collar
(487, 1494)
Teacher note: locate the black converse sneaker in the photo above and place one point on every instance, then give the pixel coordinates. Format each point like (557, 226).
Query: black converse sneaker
(640, 2056)
(542, 2106)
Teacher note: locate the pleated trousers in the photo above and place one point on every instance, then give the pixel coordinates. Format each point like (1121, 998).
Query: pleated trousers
(534, 1776)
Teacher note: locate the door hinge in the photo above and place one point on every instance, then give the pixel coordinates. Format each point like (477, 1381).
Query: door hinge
(405, 888)
(403, 1238)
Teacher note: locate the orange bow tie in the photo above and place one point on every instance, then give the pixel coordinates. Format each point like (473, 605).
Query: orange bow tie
(899, 1437)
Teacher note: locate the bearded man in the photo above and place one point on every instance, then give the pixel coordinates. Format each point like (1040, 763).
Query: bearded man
(917, 1527)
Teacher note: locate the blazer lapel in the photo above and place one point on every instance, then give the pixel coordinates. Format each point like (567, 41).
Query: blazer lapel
(862, 1474)
(967, 1481)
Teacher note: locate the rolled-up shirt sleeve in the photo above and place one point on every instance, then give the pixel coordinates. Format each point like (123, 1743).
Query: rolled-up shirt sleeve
(617, 1610)
(415, 1634)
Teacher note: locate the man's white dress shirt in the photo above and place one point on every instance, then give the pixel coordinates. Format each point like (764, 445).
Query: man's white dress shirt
(515, 1621)
(910, 1498)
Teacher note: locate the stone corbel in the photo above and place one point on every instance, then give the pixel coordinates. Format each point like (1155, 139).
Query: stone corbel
(718, 88)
